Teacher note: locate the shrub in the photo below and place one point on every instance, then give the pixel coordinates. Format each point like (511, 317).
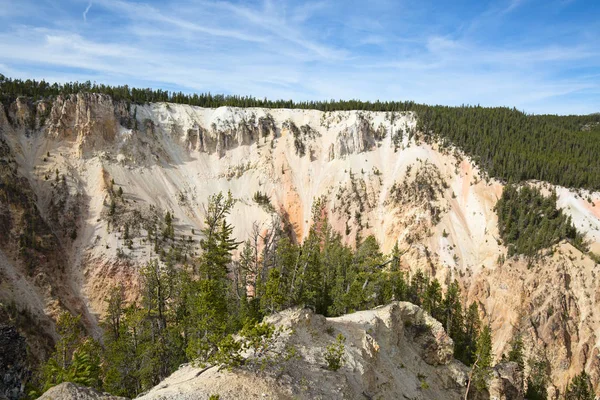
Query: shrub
(423, 381)
(334, 353)
(263, 200)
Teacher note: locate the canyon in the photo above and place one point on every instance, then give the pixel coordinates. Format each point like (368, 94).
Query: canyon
(62, 248)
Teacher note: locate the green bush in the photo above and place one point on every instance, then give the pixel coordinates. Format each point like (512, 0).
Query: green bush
(334, 353)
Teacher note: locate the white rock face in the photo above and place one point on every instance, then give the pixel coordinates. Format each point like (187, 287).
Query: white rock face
(392, 352)
(364, 165)
(71, 391)
(506, 382)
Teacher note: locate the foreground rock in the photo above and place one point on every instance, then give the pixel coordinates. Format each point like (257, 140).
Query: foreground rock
(71, 391)
(393, 352)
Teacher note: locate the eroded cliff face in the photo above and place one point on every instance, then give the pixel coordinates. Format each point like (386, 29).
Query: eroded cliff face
(554, 301)
(62, 242)
(89, 120)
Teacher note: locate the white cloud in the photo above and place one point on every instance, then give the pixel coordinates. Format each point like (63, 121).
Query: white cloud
(271, 20)
(87, 9)
(513, 4)
(274, 50)
(139, 11)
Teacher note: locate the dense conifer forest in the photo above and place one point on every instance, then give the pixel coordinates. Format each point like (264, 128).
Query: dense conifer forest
(529, 222)
(508, 144)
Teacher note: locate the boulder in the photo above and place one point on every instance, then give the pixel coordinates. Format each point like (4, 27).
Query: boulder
(506, 382)
(71, 391)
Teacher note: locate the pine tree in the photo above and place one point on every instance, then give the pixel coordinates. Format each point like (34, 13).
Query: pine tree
(515, 353)
(274, 298)
(468, 343)
(368, 282)
(580, 388)
(482, 367)
(209, 295)
(453, 318)
(76, 357)
(418, 285)
(539, 377)
(399, 286)
(169, 231)
(338, 263)
(432, 299)
(114, 311)
(163, 351)
(126, 353)
(307, 278)
(280, 294)
(395, 255)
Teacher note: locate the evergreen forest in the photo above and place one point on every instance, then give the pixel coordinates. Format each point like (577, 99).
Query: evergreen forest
(529, 221)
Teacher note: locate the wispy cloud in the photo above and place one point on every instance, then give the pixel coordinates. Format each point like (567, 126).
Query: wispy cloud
(145, 12)
(269, 18)
(311, 50)
(87, 9)
(306, 11)
(513, 4)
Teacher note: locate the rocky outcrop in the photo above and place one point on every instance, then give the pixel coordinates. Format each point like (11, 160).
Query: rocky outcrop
(14, 371)
(395, 351)
(71, 391)
(555, 309)
(21, 113)
(506, 382)
(93, 120)
(392, 352)
(89, 119)
(436, 347)
(356, 138)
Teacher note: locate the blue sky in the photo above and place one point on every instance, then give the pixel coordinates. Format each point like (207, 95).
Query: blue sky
(541, 56)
